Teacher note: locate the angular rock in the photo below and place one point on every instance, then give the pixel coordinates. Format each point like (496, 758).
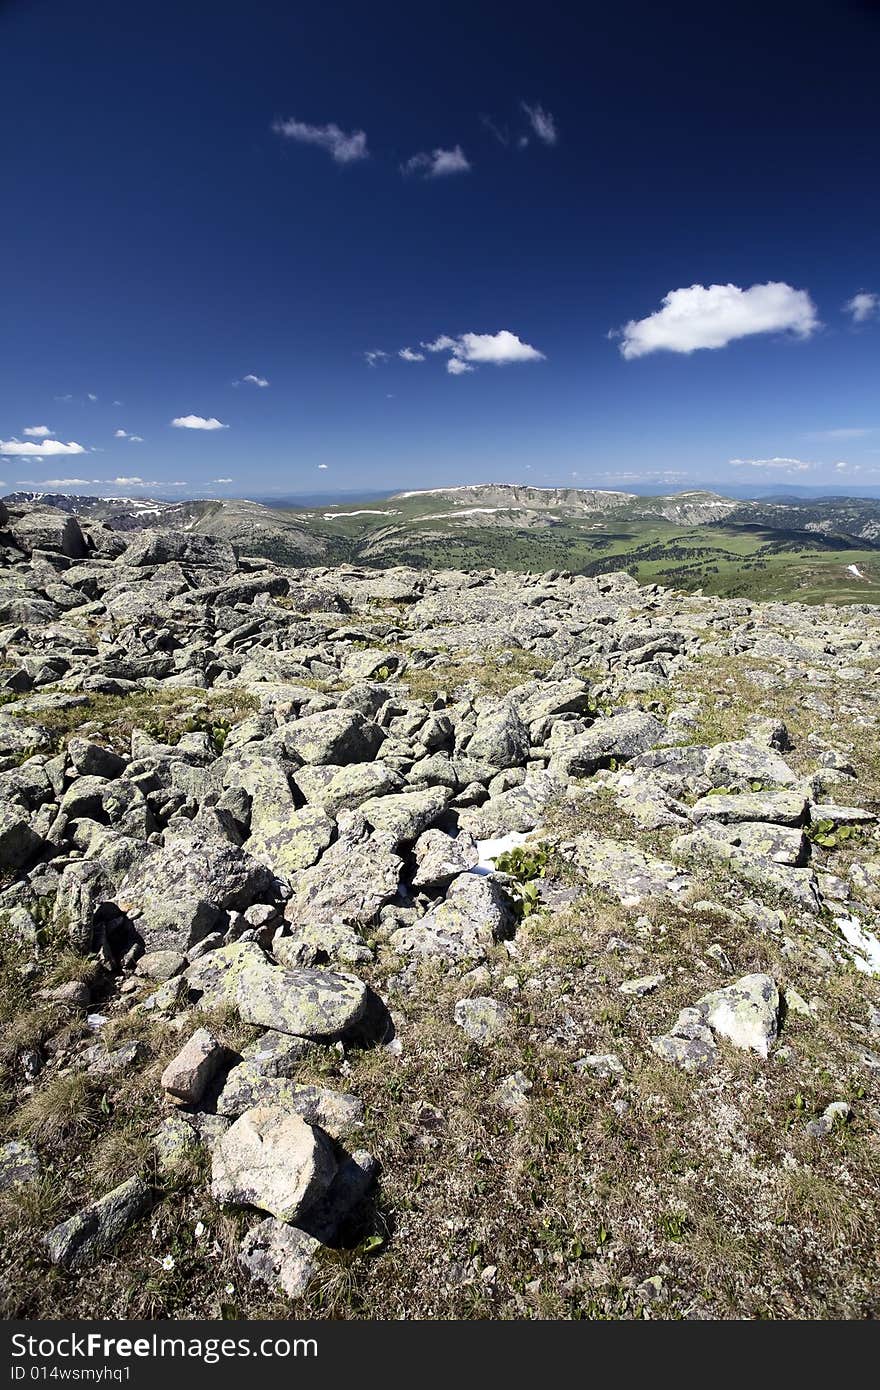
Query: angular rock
(272, 1160)
(187, 1076)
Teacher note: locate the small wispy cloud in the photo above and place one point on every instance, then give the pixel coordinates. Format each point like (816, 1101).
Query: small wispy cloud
(198, 422)
(125, 482)
(92, 396)
(323, 465)
(66, 482)
(66, 398)
(222, 480)
(542, 123)
(19, 448)
(501, 133)
(374, 356)
(342, 147)
(38, 431)
(132, 438)
(788, 465)
(848, 432)
(409, 356)
(251, 380)
(456, 367)
(863, 306)
(438, 164)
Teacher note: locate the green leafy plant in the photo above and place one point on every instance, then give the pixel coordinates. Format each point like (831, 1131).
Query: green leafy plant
(829, 835)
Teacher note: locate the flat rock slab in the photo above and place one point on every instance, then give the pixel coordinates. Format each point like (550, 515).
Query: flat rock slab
(19, 1164)
(776, 808)
(307, 1003)
(272, 1160)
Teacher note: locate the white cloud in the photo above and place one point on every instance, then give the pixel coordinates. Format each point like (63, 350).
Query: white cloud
(323, 465)
(788, 465)
(409, 356)
(441, 344)
(542, 123)
(479, 349)
(848, 433)
(92, 396)
(863, 306)
(65, 482)
(132, 438)
(345, 149)
(713, 316)
(251, 380)
(498, 348)
(197, 422)
(438, 164)
(374, 357)
(126, 482)
(20, 449)
(38, 431)
(222, 480)
(64, 398)
(136, 438)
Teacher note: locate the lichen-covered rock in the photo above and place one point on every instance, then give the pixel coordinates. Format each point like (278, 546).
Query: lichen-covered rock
(440, 858)
(619, 736)
(180, 890)
(307, 1003)
(97, 1228)
(279, 1256)
(335, 736)
(500, 738)
(404, 817)
(19, 843)
(356, 876)
(745, 1012)
(272, 1160)
(247, 1086)
(482, 1018)
(19, 1164)
(776, 808)
(628, 873)
(742, 762)
(473, 916)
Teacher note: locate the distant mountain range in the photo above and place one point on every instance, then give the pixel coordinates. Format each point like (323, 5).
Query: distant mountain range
(791, 546)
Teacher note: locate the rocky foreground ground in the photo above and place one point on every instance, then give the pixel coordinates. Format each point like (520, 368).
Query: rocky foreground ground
(382, 943)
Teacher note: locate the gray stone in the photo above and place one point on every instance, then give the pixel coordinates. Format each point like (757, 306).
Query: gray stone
(272, 1160)
(96, 1229)
(307, 1003)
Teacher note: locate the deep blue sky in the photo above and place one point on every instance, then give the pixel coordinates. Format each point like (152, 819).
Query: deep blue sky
(162, 241)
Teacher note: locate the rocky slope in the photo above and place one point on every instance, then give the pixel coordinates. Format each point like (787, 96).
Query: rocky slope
(430, 944)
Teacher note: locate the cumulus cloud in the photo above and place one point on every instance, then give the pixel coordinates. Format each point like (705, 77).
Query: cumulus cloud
(65, 482)
(20, 448)
(438, 164)
(125, 482)
(711, 316)
(470, 350)
(38, 431)
(323, 465)
(409, 356)
(863, 306)
(542, 123)
(251, 380)
(343, 148)
(197, 422)
(132, 438)
(788, 465)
